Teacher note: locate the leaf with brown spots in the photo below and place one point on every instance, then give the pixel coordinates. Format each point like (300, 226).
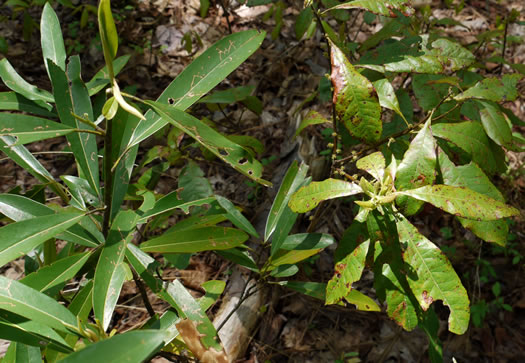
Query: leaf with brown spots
(380, 7)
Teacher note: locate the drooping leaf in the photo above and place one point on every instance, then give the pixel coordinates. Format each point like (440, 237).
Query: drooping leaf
(16, 102)
(28, 129)
(493, 89)
(496, 124)
(380, 7)
(14, 82)
(417, 168)
(195, 240)
(312, 118)
(204, 73)
(308, 197)
(462, 202)
(111, 270)
(17, 239)
(433, 277)
(51, 38)
(33, 305)
(236, 217)
(347, 271)
(355, 99)
(387, 96)
(470, 137)
(230, 152)
(374, 164)
(240, 257)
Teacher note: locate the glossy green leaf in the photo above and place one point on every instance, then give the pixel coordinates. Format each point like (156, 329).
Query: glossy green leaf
(16, 102)
(496, 124)
(283, 257)
(307, 241)
(198, 220)
(231, 153)
(462, 202)
(108, 35)
(19, 352)
(236, 217)
(347, 271)
(204, 73)
(472, 177)
(387, 96)
(433, 277)
(314, 289)
(493, 89)
(374, 164)
(28, 129)
(17, 239)
(195, 240)
(51, 38)
(240, 257)
(214, 289)
(82, 191)
(308, 197)
(101, 78)
(49, 279)
(355, 99)
(294, 177)
(284, 271)
(312, 118)
(418, 168)
(228, 96)
(14, 82)
(171, 202)
(469, 136)
(133, 346)
(380, 7)
(31, 304)
(111, 272)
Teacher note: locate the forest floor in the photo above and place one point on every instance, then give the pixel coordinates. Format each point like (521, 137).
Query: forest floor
(285, 73)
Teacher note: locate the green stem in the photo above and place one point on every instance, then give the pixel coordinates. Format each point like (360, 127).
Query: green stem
(108, 177)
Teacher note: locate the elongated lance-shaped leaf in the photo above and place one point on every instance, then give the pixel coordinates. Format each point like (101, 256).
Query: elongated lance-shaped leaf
(16, 102)
(133, 346)
(236, 217)
(496, 124)
(387, 96)
(33, 305)
(51, 39)
(294, 177)
(20, 352)
(28, 129)
(49, 279)
(204, 73)
(493, 89)
(101, 78)
(283, 257)
(355, 99)
(170, 202)
(110, 271)
(374, 164)
(17, 239)
(308, 197)
(14, 82)
(307, 241)
(472, 177)
(417, 168)
(433, 277)
(380, 7)
(462, 202)
(76, 100)
(108, 35)
(195, 240)
(231, 153)
(347, 271)
(470, 137)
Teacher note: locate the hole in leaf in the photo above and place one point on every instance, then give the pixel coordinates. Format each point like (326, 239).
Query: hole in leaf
(171, 101)
(243, 161)
(250, 172)
(223, 152)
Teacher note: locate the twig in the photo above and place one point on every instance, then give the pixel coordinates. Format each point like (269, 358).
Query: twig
(143, 292)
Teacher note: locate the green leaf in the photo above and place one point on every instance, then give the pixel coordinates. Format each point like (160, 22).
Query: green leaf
(380, 7)
(240, 257)
(14, 82)
(308, 197)
(355, 99)
(361, 301)
(16, 102)
(17, 239)
(111, 270)
(433, 277)
(303, 21)
(101, 78)
(195, 240)
(31, 304)
(108, 35)
(214, 289)
(493, 89)
(283, 257)
(374, 164)
(347, 271)
(312, 118)
(293, 178)
(314, 289)
(204, 73)
(284, 271)
(496, 124)
(82, 190)
(418, 168)
(472, 177)
(470, 137)
(170, 202)
(307, 241)
(51, 38)
(429, 90)
(228, 96)
(462, 202)
(133, 346)
(19, 352)
(192, 183)
(387, 96)
(49, 279)
(236, 217)
(231, 153)
(28, 129)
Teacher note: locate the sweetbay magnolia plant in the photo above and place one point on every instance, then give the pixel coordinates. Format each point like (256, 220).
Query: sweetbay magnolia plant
(91, 220)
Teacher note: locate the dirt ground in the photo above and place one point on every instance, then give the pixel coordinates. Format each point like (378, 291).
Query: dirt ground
(285, 72)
